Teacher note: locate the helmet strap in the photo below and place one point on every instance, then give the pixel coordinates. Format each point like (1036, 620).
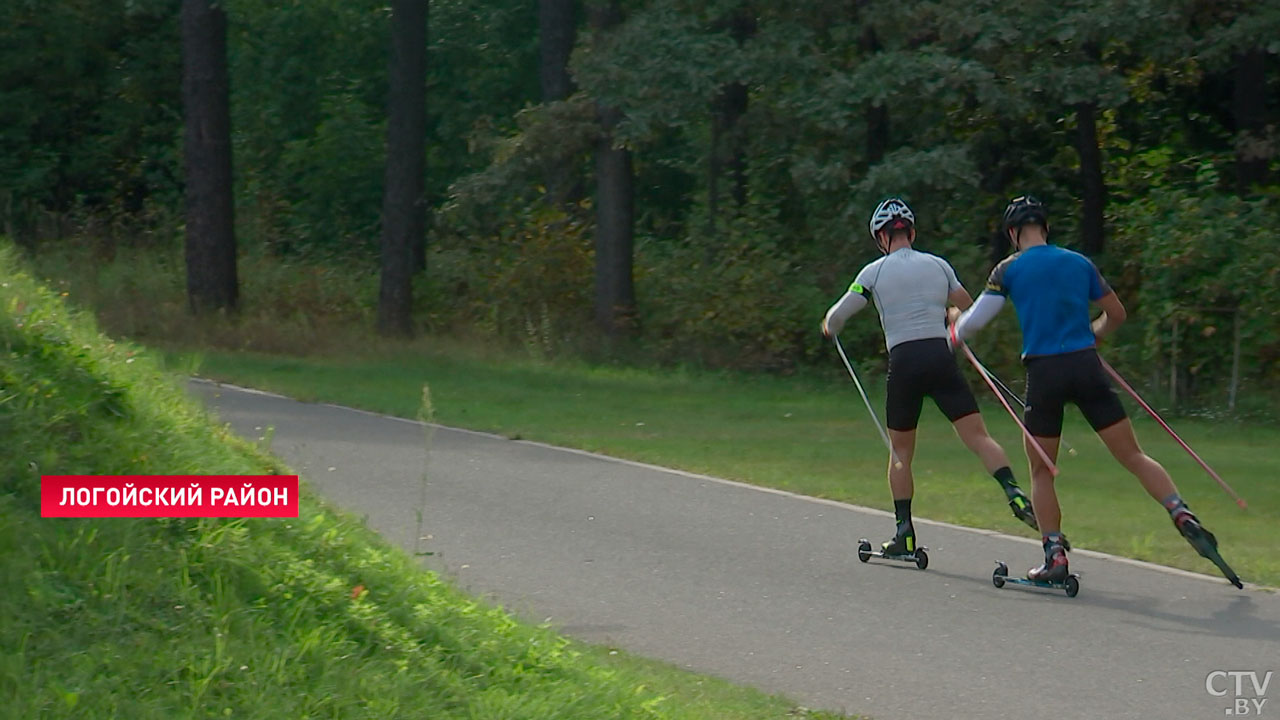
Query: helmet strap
(889, 238)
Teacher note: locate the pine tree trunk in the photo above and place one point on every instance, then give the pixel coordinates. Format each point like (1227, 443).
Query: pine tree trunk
(403, 205)
(557, 26)
(877, 117)
(210, 243)
(1249, 106)
(728, 145)
(557, 32)
(1093, 187)
(615, 293)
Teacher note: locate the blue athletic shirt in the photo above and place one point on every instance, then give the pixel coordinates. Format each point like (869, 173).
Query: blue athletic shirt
(1051, 288)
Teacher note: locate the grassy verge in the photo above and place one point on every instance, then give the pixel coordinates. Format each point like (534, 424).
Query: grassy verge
(808, 435)
(300, 618)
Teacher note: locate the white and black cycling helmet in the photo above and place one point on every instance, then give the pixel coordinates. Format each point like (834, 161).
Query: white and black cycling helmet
(1025, 210)
(892, 214)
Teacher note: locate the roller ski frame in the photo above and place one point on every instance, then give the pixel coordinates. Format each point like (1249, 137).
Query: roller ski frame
(1227, 572)
(918, 556)
(1001, 576)
(1208, 551)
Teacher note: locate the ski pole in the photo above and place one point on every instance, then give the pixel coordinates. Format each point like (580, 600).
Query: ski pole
(983, 369)
(1053, 469)
(1128, 388)
(897, 464)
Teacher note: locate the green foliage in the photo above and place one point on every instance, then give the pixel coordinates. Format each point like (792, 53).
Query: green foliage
(1198, 257)
(739, 299)
(89, 109)
(526, 279)
(956, 105)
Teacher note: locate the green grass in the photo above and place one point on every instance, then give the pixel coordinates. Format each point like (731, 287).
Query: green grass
(314, 617)
(809, 435)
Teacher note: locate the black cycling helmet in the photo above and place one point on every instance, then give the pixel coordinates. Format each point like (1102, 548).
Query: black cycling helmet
(1025, 210)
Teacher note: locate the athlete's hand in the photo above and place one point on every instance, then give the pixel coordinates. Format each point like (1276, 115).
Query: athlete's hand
(953, 314)
(826, 331)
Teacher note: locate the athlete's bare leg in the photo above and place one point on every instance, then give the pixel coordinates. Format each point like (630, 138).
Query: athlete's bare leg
(901, 483)
(973, 433)
(1123, 444)
(1044, 496)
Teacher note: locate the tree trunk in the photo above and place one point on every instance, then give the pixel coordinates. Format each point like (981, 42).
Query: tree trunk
(403, 206)
(557, 32)
(615, 292)
(211, 240)
(727, 142)
(877, 133)
(877, 117)
(557, 26)
(1092, 186)
(1249, 107)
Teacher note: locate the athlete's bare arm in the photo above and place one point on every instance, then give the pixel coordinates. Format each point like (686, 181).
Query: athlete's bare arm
(1113, 315)
(960, 301)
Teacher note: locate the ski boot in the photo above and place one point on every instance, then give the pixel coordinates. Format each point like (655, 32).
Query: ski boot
(902, 548)
(1054, 569)
(1203, 541)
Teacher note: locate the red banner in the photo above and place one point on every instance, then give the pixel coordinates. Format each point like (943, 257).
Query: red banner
(72, 496)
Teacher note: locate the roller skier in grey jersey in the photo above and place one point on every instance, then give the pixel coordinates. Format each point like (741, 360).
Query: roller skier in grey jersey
(911, 290)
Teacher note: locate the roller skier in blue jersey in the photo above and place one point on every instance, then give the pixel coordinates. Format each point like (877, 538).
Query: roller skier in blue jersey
(1052, 289)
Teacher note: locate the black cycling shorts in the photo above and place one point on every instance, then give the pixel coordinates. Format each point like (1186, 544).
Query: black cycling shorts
(925, 367)
(1075, 377)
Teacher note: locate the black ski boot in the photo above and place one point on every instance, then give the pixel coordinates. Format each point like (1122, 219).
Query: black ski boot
(1189, 525)
(903, 542)
(1203, 541)
(1020, 504)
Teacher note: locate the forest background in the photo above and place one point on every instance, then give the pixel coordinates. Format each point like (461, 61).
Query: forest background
(674, 182)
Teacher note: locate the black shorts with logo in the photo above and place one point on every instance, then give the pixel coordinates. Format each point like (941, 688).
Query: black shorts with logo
(925, 367)
(1074, 377)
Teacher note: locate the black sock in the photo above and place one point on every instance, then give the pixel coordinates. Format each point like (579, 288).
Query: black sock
(902, 511)
(1004, 476)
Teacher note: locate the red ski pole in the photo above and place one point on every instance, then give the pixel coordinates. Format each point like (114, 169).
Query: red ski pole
(1053, 469)
(1128, 388)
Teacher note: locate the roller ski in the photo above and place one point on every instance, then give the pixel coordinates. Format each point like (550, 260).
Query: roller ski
(901, 548)
(1054, 574)
(1204, 542)
(1070, 584)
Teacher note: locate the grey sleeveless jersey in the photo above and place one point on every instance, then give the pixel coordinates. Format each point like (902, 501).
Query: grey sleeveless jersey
(910, 291)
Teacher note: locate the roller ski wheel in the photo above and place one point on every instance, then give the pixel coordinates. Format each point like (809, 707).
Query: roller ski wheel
(1070, 585)
(1206, 544)
(920, 556)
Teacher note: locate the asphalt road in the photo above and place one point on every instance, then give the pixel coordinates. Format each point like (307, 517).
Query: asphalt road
(764, 588)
